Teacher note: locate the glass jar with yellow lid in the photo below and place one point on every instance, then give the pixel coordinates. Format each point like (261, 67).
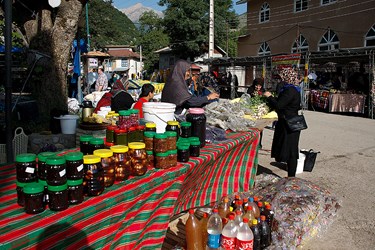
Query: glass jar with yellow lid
(139, 162)
(173, 126)
(108, 165)
(122, 162)
(93, 181)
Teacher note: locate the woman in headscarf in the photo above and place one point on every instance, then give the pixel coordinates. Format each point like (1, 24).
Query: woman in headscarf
(287, 104)
(176, 89)
(117, 98)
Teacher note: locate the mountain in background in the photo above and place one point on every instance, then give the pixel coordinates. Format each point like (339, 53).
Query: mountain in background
(134, 12)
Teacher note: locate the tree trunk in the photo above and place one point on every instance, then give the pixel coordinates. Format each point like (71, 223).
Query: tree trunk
(53, 37)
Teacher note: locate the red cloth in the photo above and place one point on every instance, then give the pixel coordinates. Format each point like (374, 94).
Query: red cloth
(138, 106)
(104, 101)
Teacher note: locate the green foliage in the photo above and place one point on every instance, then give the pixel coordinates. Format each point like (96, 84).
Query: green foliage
(16, 37)
(152, 38)
(187, 24)
(107, 26)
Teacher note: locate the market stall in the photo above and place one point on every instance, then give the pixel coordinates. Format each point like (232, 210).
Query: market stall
(337, 102)
(133, 214)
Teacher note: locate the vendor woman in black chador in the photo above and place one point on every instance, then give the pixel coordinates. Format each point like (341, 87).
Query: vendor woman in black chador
(176, 89)
(287, 104)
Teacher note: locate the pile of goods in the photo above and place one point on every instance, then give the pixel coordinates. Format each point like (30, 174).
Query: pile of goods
(238, 114)
(238, 224)
(279, 213)
(129, 149)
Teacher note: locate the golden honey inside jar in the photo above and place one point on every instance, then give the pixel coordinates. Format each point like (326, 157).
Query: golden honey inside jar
(122, 162)
(108, 165)
(139, 162)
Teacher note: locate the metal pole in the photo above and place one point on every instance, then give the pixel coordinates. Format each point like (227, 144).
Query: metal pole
(8, 79)
(87, 26)
(211, 31)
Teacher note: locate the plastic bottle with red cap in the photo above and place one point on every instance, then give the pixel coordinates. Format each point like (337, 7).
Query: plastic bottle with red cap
(245, 236)
(193, 232)
(269, 216)
(204, 229)
(229, 234)
(265, 235)
(214, 229)
(224, 208)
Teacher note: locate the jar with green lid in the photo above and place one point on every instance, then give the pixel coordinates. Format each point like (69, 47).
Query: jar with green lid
(173, 126)
(183, 152)
(150, 126)
(58, 197)
(134, 117)
(183, 140)
(148, 137)
(161, 160)
(45, 185)
(150, 158)
(132, 134)
(96, 143)
(34, 194)
(93, 181)
(26, 168)
(195, 148)
(42, 166)
(122, 162)
(121, 136)
(108, 165)
(139, 134)
(185, 129)
(56, 170)
(110, 133)
(20, 194)
(124, 119)
(171, 140)
(74, 165)
(84, 144)
(75, 191)
(160, 143)
(172, 158)
(138, 157)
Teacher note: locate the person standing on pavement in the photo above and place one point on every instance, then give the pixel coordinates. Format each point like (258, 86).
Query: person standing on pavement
(285, 143)
(102, 81)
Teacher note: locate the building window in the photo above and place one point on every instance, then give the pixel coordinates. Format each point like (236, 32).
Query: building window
(300, 5)
(124, 63)
(300, 45)
(370, 37)
(329, 41)
(264, 50)
(264, 14)
(326, 2)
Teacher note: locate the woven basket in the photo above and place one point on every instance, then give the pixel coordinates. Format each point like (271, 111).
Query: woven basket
(19, 142)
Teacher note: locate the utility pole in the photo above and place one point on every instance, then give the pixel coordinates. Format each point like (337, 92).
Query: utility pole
(211, 31)
(87, 26)
(227, 39)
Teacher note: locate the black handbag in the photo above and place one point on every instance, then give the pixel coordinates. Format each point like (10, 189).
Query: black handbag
(310, 158)
(296, 123)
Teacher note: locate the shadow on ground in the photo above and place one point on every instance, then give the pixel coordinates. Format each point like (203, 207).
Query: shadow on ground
(264, 170)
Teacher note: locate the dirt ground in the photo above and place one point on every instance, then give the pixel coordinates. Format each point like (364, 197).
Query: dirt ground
(346, 167)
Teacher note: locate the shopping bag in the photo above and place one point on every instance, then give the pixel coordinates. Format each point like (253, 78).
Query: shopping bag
(309, 159)
(296, 123)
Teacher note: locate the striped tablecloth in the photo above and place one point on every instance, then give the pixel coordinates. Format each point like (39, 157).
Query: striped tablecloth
(134, 214)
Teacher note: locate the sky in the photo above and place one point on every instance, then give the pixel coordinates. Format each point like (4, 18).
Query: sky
(240, 9)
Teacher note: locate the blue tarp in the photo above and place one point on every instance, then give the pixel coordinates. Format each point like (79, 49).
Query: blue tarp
(14, 49)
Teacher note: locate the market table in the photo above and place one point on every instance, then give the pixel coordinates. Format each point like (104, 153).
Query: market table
(347, 103)
(133, 214)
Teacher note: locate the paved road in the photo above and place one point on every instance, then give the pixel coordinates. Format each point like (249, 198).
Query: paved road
(346, 166)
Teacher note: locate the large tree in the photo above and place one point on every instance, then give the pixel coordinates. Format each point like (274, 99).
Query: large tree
(152, 38)
(187, 22)
(49, 33)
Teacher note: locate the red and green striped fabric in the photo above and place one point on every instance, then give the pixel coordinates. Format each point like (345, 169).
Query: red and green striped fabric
(220, 169)
(134, 214)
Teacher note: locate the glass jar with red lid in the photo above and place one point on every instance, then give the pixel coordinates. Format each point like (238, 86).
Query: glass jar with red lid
(121, 136)
(110, 133)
